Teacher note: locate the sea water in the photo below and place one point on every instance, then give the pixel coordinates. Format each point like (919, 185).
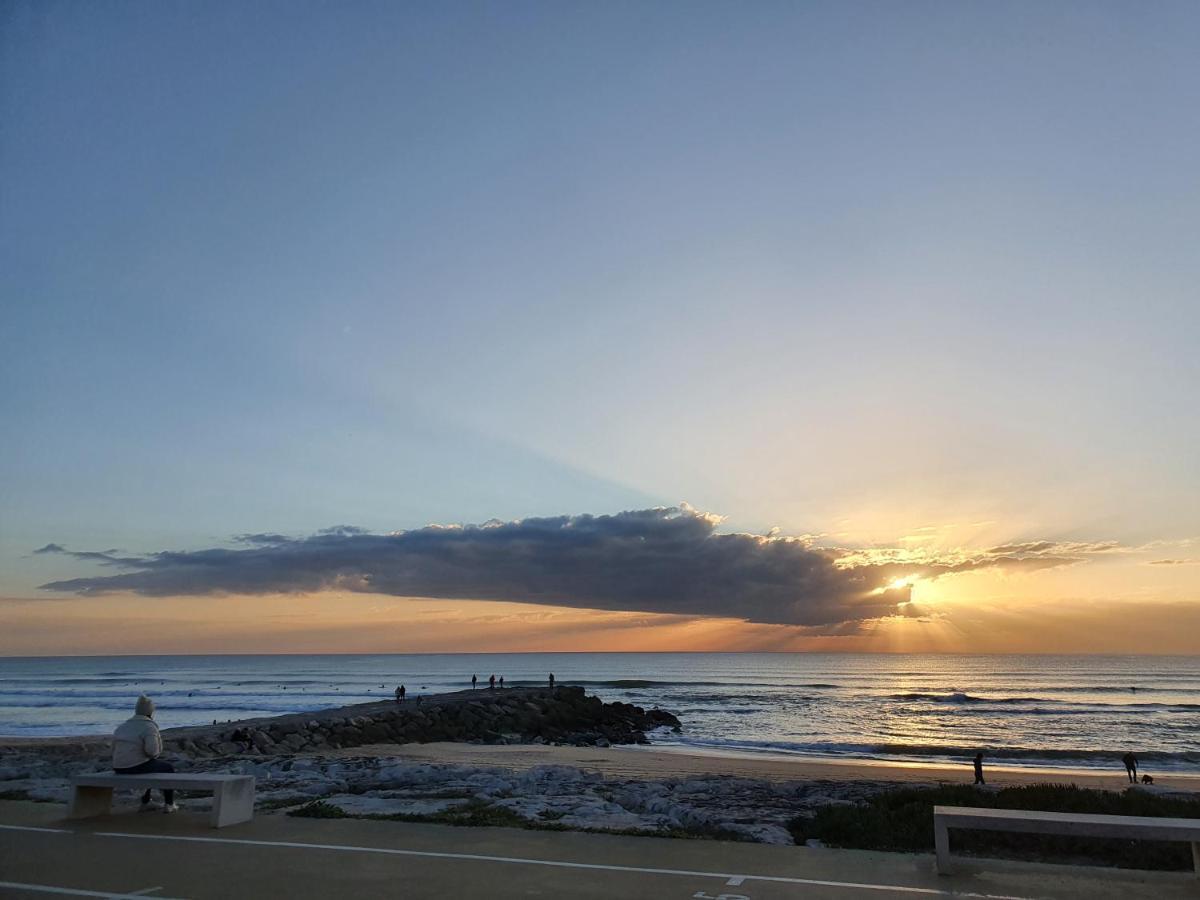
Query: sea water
(1032, 710)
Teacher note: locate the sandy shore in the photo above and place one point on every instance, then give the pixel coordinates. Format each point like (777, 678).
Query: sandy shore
(660, 762)
(667, 762)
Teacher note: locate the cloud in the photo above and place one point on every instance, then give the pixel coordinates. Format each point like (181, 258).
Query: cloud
(1026, 556)
(1058, 548)
(666, 560)
(1173, 562)
(261, 538)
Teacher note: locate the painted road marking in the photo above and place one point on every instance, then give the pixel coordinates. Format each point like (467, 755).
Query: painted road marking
(72, 892)
(144, 891)
(735, 881)
(559, 864)
(32, 828)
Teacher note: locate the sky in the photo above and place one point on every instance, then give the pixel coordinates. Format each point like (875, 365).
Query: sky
(563, 326)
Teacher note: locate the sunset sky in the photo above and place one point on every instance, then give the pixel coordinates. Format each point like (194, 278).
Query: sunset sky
(618, 326)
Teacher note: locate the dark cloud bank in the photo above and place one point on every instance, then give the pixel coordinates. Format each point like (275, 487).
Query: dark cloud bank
(665, 560)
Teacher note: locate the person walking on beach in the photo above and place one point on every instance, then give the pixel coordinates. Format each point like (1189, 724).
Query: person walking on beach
(137, 746)
(979, 769)
(474, 678)
(1130, 767)
(492, 683)
(400, 692)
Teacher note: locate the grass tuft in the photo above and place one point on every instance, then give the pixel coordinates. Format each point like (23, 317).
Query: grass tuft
(319, 809)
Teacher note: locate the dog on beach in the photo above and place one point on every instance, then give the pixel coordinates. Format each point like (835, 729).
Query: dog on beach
(1146, 779)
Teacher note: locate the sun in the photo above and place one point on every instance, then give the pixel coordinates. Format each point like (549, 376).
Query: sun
(896, 584)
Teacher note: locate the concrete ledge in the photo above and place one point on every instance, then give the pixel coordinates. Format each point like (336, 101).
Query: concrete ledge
(233, 795)
(1148, 828)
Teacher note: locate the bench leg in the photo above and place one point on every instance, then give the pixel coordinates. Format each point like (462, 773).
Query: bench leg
(941, 843)
(90, 801)
(233, 803)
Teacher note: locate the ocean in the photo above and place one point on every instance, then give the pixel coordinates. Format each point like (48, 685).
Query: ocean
(1071, 711)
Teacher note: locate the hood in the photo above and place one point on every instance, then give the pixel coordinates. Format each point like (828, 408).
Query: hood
(145, 707)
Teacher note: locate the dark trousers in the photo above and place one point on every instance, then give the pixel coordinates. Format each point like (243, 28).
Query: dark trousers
(150, 766)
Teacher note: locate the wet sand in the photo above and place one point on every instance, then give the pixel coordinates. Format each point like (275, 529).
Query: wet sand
(661, 762)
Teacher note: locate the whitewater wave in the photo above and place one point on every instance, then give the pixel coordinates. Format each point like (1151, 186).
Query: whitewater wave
(942, 752)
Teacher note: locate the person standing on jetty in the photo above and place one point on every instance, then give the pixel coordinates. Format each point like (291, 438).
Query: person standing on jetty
(979, 769)
(1130, 767)
(492, 683)
(474, 678)
(501, 682)
(137, 746)
(551, 681)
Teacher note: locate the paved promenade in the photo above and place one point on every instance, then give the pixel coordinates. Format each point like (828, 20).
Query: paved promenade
(157, 856)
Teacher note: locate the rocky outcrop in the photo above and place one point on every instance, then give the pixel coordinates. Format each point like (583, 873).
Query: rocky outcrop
(564, 715)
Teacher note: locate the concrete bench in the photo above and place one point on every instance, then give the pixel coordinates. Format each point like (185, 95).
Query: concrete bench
(233, 795)
(1078, 824)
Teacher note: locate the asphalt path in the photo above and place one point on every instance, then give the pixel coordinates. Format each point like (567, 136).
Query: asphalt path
(157, 856)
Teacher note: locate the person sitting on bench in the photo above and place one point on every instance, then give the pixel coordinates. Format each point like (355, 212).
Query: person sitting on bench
(137, 746)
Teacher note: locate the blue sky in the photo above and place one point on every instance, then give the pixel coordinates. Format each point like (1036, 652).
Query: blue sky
(843, 268)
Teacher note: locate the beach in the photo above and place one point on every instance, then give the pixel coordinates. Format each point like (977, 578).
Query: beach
(665, 762)
(529, 757)
(657, 762)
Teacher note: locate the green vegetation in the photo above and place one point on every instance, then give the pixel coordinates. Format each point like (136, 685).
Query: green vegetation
(473, 814)
(319, 809)
(279, 802)
(903, 821)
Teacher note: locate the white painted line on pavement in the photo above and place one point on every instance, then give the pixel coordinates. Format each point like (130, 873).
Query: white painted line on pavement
(559, 864)
(144, 891)
(72, 892)
(32, 828)
(735, 881)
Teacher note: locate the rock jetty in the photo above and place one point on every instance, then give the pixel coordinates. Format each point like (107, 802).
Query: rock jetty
(563, 715)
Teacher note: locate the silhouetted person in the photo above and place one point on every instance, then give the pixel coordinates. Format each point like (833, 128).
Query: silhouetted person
(501, 682)
(400, 692)
(979, 769)
(1130, 767)
(492, 683)
(551, 681)
(137, 746)
(474, 678)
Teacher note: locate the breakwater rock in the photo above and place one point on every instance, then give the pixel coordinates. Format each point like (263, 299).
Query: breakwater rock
(564, 715)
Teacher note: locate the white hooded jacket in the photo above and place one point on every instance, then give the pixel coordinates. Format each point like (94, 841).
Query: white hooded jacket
(137, 739)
